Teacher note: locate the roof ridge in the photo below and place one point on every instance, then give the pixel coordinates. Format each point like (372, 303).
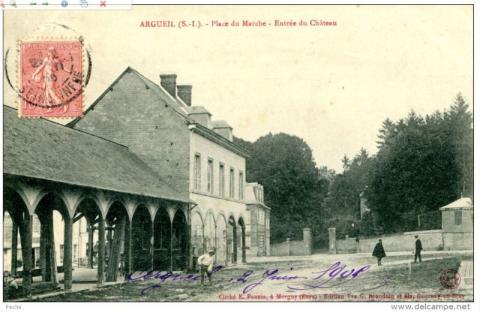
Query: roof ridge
(185, 115)
(145, 79)
(100, 97)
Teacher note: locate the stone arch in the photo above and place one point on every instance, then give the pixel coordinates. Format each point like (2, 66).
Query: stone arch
(57, 202)
(30, 194)
(179, 241)
(221, 251)
(51, 210)
(19, 212)
(88, 210)
(14, 204)
(117, 200)
(242, 246)
(117, 227)
(210, 229)
(142, 239)
(116, 209)
(10, 260)
(89, 196)
(162, 240)
(142, 205)
(197, 235)
(232, 241)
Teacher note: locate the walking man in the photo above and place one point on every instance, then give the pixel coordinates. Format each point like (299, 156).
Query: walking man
(379, 252)
(206, 265)
(418, 249)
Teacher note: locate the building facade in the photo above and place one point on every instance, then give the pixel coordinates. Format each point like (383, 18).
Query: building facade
(143, 181)
(191, 152)
(457, 224)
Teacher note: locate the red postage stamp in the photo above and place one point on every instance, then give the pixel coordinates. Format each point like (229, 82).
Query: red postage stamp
(51, 75)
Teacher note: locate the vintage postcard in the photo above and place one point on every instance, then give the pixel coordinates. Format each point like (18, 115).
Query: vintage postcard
(238, 153)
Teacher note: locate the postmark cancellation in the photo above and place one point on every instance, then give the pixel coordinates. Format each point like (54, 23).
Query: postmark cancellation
(51, 78)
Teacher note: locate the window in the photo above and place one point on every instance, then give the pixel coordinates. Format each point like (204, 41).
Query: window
(261, 217)
(458, 217)
(197, 183)
(240, 186)
(210, 176)
(232, 183)
(221, 180)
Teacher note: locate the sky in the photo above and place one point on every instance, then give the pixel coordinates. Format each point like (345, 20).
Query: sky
(330, 85)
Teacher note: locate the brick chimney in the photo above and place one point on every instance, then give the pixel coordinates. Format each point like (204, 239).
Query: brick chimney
(169, 83)
(185, 93)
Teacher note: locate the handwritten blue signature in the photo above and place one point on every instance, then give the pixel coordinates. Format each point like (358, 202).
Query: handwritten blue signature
(335, 275)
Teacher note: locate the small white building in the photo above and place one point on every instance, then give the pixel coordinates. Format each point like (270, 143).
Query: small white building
(457, 224)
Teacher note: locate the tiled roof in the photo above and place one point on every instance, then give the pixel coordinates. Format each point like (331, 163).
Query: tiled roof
(176, 104)
(462, 203)
(43, 149)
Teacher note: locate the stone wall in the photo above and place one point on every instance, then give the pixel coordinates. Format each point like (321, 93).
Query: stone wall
(432, 240)
(294, 247)
(458, 241)
(349, 245)
(279, 249)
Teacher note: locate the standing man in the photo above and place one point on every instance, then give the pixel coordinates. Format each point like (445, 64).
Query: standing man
(206, 265)
(379, 252)
(418, 249)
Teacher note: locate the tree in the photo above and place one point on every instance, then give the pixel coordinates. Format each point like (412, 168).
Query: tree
(294, 187)
(343, 200)
(422, 164)
(459, 121)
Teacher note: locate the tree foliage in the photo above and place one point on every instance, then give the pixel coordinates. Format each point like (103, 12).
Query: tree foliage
(422, 164)
(294, 187)
(343, 200)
